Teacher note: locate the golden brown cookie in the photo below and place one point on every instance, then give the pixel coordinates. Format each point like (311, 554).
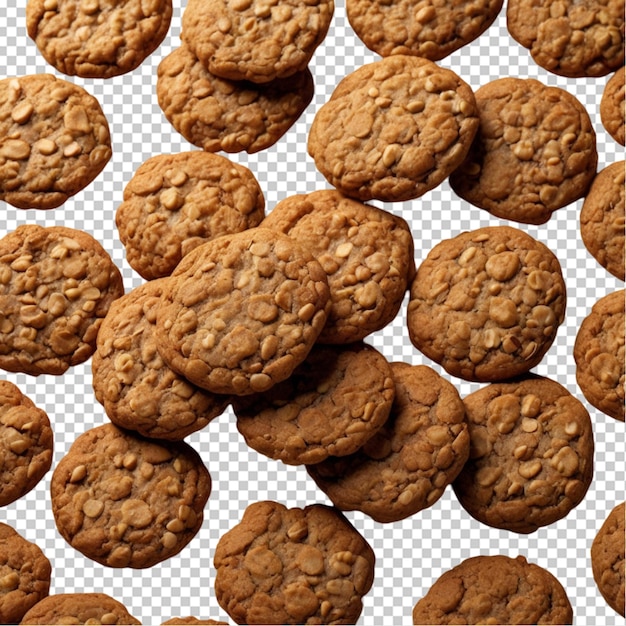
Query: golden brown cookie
(406, 466)
(56, 285)
(613, 106)
(54, 140)
(393, 129)
(293, 566)
(126, 501)
(535, 151)
(487, 303)
(175, 202)
(495, 590)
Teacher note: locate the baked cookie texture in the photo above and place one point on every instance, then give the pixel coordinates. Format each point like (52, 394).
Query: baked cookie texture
(531, 454)
(406, 466)
(367, 253)
(94, 39)
(293, 566)
(495, 589)
(613, 106)
(535, 151)
(486, 304)
(607, 559)
(599, 355)
(54, 140)
(126, 501)
(56, 285)
(175, 202)
(393, 129)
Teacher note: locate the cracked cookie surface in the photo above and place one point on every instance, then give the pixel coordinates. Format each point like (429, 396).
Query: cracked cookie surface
(613, 106)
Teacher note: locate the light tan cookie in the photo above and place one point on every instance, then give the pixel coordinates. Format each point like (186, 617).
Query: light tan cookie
(486, 304)
(393, 129)
(613, 106)
(234, 116)
(95, 39)
(54, 140)
(293, 566)
(367, 253)
(535, 151)
(56, 285)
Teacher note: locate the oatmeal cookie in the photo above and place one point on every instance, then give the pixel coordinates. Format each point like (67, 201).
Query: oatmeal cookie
(486, 304)
(293, 566)
(56, 285)
(126, 501)
(54, 140)
(393, 129)
(535, 151)
(613, 106)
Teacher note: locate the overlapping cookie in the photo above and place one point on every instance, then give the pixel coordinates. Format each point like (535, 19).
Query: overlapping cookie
(613, 106)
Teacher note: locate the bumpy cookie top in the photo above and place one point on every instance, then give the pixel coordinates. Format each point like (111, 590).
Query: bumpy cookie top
(393, 129)
(495, 590)
(96, 38)
(293, 566)
(535, 151)
(54, 140)
(487, 303)
(613, 106)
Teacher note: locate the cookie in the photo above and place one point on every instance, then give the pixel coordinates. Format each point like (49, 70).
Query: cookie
(495, 589)
(255, 40)
(332, 403)
(242, 311)
(79, 608)
(26, 443)
(137, 389)
(175, 202)
(191, 621)
(535, 151)
(217, 114)
(612, 106)
(54, 140)
(56, 285)
(293, 566)
(599, 355)
(602, 219)
(406, 466)
(607, 559)
(570, 38)
(426, 29)
(25, 573)
(94, 39)
(486, 304)
(367, 253)
(393, 129)
(531, 454)
(126, 501)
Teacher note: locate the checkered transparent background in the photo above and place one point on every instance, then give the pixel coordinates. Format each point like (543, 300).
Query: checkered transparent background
(411, 554)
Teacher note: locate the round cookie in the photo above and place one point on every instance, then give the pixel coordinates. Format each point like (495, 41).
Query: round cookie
(607, 559)
(535, 151)
(332, 403)
(242, 311)
(79, 608)
(486, 304)
(137, 389)
(599, 355)
(367, 253)
(495, 589)
(191, 621)
(393, 129)
(126, 501)
(293, 566)
(25, 573)
(56, 285)
(94, 39)
(570, 38)
(54, 140)
(175, 202)
(26, 443)
(217, 114)
(602, 219)
(613, 106)
(255, 40)
(406, 466)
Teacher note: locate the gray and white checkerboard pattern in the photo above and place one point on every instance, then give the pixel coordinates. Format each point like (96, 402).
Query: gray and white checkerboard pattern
(412, 553)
